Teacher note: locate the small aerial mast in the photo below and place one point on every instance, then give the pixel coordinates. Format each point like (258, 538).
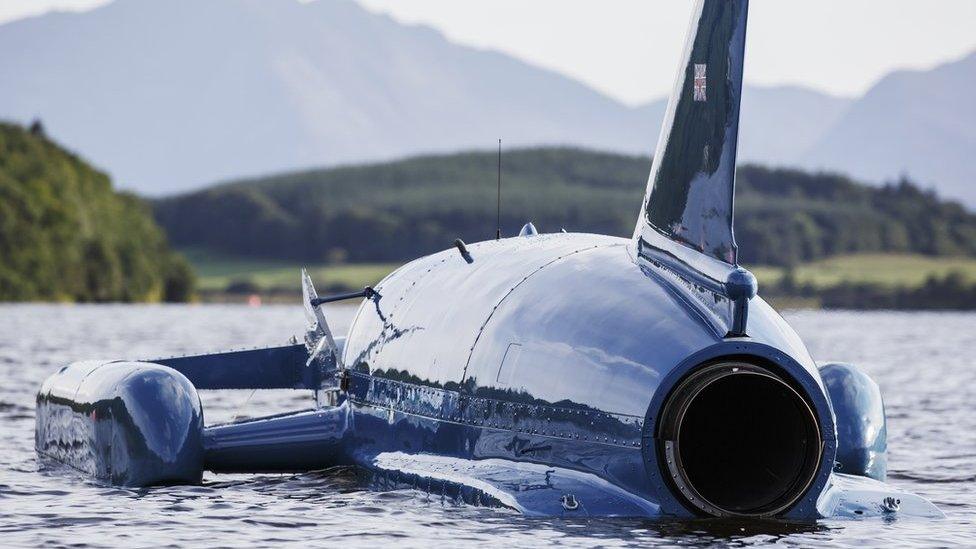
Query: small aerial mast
(498, 209)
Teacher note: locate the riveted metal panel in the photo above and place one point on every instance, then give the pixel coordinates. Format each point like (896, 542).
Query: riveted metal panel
(546, 420)
(595, 330)
(429, 314)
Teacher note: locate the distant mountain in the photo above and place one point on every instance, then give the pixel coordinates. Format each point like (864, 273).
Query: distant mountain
(170, 95)
(395, 211)
(918, 122)
(779, 124)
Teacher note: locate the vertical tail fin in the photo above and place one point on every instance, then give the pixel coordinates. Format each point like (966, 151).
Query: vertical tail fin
(690, 190)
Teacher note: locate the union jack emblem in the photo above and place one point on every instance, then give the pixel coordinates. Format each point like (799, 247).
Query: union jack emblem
(700, 82)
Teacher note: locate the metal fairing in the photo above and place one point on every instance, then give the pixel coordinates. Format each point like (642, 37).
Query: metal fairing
(431, 310)
(510, 466)
(575, 398)
(306, 440)
(579, 401)
(861, 425)
(855, 496)
(531, 489)
(129, 423)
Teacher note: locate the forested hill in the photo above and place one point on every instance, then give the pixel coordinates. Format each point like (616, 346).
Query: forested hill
(66, 236)
(399, 210)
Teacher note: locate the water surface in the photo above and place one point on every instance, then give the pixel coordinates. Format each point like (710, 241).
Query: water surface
(923, 362)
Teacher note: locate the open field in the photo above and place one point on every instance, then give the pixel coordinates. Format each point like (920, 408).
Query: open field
(217, 273)
(889, 270)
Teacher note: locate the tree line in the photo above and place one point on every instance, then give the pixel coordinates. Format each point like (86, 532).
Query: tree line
(396, 211)
(65, 235)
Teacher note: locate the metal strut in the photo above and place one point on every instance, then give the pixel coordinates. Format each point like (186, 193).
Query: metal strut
(368, 292)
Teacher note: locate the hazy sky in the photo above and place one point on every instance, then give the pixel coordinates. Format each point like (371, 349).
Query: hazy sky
(623, 47)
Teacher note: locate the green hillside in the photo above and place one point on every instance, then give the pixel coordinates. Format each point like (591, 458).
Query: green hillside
(65, 235)
(399, 210)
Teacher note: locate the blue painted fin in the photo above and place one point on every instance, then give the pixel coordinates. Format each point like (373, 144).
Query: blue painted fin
(854, 496)
(531, 489)
(284, 367)
(687, 209)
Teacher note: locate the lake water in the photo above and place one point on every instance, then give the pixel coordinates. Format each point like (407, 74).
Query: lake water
(924, 363)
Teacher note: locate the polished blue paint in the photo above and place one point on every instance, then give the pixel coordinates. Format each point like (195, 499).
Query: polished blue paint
(577, 398)
(433, 310)
(574, 414)
(690, 190)
(268, 368)
(297, 441)
(528, 372)
(740, 287)
(862, 434)
(128, 423)
(528, 230)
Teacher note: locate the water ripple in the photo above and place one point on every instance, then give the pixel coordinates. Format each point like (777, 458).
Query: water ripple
(922, 362)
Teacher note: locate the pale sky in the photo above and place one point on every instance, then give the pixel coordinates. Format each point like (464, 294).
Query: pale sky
(623, 47)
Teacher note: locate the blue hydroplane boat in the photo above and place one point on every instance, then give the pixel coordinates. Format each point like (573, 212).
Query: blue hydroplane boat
(554, 374)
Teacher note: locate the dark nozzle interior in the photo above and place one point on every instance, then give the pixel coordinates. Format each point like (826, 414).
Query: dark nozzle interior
(738, 440)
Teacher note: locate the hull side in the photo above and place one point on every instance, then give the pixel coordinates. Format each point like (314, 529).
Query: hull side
(554, 350)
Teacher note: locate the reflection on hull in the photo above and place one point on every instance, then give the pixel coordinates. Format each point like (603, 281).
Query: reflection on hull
(558, 375)
(571, 427)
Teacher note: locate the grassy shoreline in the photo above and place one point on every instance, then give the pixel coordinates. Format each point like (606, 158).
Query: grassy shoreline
(865, 281)
(229, 275)
(889, 270)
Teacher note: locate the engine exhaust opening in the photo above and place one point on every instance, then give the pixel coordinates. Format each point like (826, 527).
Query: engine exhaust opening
(737, 440)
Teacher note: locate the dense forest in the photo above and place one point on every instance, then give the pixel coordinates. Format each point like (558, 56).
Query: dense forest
(398, 210)
(65, 235)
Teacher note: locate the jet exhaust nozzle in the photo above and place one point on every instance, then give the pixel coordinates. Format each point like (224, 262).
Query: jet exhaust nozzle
(738, 440)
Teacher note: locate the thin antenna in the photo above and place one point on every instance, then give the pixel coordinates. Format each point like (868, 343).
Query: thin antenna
(498, 210)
